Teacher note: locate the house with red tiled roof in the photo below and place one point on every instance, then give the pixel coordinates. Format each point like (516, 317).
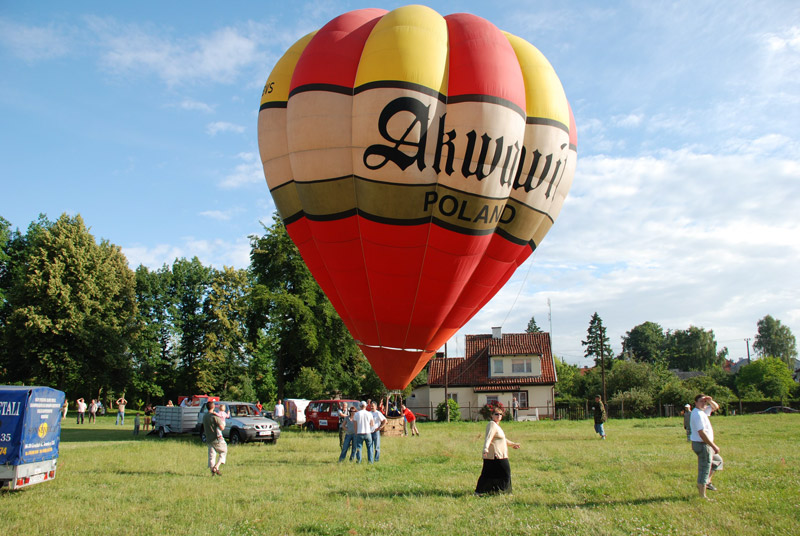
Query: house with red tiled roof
(496, 367)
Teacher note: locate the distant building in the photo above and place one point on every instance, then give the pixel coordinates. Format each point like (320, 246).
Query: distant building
(497, 367)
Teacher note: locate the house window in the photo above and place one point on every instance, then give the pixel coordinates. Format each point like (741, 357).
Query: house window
(522, 398)
(497, 366)
(520, 366)
(453, 396)
(491, 399)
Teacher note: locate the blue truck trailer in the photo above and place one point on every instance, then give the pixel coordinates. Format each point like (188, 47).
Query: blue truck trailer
(30, 432)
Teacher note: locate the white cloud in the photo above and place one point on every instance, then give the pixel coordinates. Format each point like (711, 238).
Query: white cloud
(217, 253)
(221, 215)
(195, 106)
(33, 43)
(223, 126)
(629, 120)
(246, 173)
(218, 57)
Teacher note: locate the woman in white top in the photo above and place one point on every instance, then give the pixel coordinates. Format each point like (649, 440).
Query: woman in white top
(496, 474)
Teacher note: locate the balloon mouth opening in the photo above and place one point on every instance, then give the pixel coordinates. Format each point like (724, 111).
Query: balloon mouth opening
(378, 347)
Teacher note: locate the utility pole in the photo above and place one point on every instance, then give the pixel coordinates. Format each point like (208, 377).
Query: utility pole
(446, 401)
(747, 341)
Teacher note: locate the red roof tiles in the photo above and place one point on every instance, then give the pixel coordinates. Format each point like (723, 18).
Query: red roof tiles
(473, 370)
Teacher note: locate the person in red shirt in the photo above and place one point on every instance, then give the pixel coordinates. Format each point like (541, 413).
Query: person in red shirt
(411, 419)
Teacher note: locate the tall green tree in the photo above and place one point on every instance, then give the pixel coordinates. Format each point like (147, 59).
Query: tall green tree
(290, 312)
(532, 326)
(189, 288)
(597, 342)
(645, 343)
(223, 368)
(693, 349)
(152, 348)
(775, 340)
(5, 238)
(71, 307)
(768, 376)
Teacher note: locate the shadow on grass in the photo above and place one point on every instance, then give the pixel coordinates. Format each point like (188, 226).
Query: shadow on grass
(83, 435)
(391, 494)
(613, 502)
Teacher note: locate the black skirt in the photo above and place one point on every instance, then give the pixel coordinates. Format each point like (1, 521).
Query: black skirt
(495, 477)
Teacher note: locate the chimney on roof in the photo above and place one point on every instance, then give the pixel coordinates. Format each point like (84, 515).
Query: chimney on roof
(497, 333)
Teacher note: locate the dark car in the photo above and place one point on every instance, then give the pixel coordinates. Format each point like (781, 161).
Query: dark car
(779, 409)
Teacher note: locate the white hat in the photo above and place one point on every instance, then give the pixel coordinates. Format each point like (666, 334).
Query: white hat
(687, 406)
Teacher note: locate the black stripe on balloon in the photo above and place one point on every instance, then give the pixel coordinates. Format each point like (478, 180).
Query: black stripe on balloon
(293, 218)
(330, 88)
(573, 147)
(273, 104)
(505, 103)
(547, 122)
(399, 84)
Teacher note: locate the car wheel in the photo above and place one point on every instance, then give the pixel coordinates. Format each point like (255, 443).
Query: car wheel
(162, 433)
(236, 438)
(203, 436)
(310, 426)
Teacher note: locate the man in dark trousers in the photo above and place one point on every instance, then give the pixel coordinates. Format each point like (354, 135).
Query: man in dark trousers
(599, 416)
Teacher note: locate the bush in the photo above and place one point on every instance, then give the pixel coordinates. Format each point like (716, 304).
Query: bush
(637, 402)
(441, 412)
(487, 409)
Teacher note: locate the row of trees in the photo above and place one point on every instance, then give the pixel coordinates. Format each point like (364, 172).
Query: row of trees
(642, 375)
(73, 315)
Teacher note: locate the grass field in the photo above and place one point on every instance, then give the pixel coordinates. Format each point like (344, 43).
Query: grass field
(566, 481)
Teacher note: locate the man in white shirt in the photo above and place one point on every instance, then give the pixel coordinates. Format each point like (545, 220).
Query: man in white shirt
(702, 436)
(279, 412)
(364, 425)
(379, 423)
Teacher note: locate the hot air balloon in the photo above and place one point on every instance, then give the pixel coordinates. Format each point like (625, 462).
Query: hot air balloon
(416, 161)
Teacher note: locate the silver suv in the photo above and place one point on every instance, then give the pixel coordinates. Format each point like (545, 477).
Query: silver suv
(244, 424)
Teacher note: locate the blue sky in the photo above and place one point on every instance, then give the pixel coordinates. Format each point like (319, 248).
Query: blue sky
(685, 208)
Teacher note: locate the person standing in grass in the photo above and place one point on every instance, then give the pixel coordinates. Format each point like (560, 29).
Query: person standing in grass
(136, 424)
(600, 416)
(496, 473)
(687, 421)
(349, 442)
(364, 425)
(708, 457)
(81, 410)
(411, 419)
(213, 427)
(380, 422)
(121, 403)
(278, 413)
(93, 411)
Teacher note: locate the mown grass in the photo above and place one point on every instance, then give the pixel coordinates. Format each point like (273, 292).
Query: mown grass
(566, 482)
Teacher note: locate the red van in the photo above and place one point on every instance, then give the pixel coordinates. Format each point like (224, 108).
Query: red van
(324, 414)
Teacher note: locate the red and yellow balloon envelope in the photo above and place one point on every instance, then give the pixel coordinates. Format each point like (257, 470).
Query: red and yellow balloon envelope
(416, 161)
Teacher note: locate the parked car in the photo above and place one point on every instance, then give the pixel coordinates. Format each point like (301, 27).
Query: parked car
(779, 409)
(244, 424)
(324, 414)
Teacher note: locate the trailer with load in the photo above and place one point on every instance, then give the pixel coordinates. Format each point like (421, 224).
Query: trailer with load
(180, 419)
(30, 433)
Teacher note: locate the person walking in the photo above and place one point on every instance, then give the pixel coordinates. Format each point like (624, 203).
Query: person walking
(708, 458)
(364, 425)
(121, 403)
(496, 473)
(379, 420)
(93, 411)
(349, 442)
(81, 410)
(217, 448)
(600, 416)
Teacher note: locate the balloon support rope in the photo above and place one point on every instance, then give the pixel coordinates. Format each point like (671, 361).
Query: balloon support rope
(529, 260)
